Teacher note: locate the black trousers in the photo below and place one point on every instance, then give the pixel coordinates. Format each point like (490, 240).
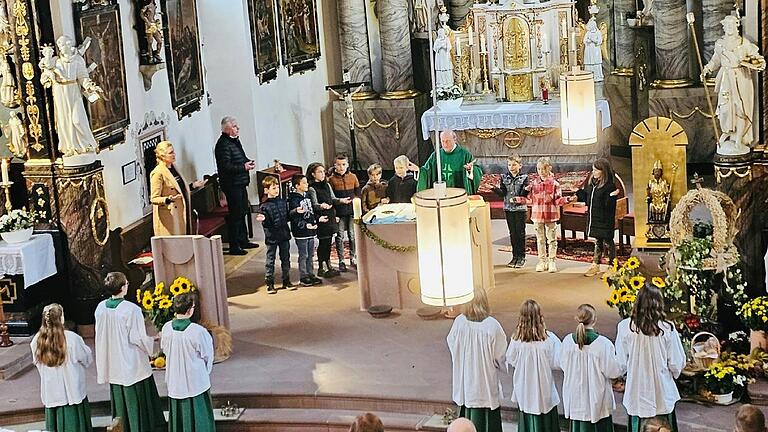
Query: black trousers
(237, 200)
(324, 249)
(604, 246)
(516, 226)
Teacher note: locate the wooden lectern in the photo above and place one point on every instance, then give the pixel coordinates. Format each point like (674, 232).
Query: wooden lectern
(201, 260)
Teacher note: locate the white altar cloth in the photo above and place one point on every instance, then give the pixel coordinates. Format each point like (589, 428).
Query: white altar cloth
(35, 259)
(506, 115)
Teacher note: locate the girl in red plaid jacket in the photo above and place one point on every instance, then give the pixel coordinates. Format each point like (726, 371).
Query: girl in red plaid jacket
(545, 197)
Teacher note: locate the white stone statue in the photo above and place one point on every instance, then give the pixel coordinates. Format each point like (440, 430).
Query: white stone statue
(15, 132)
(646, 15)
(68, 76)
(443, 64)
(736, 58)
(7, 84)
(593, 57)
(153, 31)
(6, 35)
(424, 10)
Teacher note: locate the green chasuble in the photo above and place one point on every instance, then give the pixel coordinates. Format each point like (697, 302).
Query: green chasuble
(454, 174)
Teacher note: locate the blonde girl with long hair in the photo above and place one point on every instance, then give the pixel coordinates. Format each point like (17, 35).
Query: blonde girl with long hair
(477, 343)
(589, 362)
(648, 348)
(61, 358)
(532, 355)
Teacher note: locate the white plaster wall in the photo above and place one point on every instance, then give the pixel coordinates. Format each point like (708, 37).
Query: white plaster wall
(286, 119)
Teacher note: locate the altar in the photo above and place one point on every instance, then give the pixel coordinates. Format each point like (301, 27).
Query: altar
(491, 132)
(387, 258)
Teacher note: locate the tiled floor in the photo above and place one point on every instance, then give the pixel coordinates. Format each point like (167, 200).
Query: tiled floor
(316, 341)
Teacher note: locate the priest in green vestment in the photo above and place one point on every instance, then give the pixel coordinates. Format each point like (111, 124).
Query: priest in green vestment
(458, 166)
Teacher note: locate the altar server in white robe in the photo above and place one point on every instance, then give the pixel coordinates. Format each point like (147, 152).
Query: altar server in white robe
(532, 354)
(478, 344)
(122, 359)
(649, 350)
(61, 358)
(589, 362)
(188, 349)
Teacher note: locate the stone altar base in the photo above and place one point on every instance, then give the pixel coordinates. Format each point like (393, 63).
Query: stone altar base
(385, 129)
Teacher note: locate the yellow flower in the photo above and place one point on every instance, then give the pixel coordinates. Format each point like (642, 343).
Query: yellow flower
(138, 295)
(615, 297)
(632, 263)
(159, 289)
(148, 301)
(615, 264)
(631, 298)
(165, 303)
(159, 362)
(180, 285)
(658, 282)
(637, 282)
(623, 292)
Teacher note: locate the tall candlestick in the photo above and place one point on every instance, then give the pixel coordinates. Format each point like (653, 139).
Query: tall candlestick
(5, 171)
(572, 41)
(483, 48)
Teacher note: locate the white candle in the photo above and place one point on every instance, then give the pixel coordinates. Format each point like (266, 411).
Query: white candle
(357, 208)
(471, 35)
(544, 43)
(572, 42)
(5, 171)
(458, 47)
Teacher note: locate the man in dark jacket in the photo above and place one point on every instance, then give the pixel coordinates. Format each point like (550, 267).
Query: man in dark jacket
(234, 176)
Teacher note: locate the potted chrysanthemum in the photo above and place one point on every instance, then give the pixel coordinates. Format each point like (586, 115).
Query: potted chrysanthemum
(754, 315)
(17, 225)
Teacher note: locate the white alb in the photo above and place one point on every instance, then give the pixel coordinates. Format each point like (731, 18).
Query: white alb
(122, 345)
(533, 388)
(189, 360)
(65, 384)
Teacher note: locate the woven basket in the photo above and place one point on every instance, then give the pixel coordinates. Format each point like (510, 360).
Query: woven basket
(700, 340)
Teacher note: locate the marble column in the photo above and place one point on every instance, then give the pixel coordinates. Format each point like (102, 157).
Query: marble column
(673, 62)
(624, 37)
(353, 38)
(712, 11)
(394, 26)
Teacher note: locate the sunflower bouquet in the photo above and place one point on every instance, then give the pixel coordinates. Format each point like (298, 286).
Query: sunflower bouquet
(157, 303)
(625, 281)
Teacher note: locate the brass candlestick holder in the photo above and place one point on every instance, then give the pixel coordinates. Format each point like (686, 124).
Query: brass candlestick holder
(7, 186)
(5, 338)
(484, 65)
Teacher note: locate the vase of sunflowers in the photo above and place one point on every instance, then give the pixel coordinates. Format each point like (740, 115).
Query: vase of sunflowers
(157, 303)
(625, 281)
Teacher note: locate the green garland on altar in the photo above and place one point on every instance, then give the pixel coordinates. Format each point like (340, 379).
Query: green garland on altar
(381, 242)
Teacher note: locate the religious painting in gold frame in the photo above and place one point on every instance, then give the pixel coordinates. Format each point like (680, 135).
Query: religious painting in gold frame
(299, 34)
(516, 36)
(182, 55)
(266, 60)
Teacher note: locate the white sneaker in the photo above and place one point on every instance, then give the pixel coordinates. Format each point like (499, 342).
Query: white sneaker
(542, 265)
(593, 270)
(552, 267)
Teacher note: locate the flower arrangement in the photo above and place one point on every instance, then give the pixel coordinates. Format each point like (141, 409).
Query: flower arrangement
(625, 281)
(17, 220)
(157, 303)
(448, 93)
(721, 379)
(754, 313)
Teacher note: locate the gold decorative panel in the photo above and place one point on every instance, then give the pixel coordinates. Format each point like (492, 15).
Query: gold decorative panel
(517, 49)
(519, 88)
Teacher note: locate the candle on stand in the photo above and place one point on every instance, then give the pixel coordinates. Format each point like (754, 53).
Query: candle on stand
(572, 41)
(482, 43)
(458, 47)
(357, 208)
(471, 35)
(5, 171)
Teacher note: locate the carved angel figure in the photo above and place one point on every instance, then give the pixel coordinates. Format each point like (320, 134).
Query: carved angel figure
(68, 76)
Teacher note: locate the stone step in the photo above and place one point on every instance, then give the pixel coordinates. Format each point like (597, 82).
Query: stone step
(16, 359)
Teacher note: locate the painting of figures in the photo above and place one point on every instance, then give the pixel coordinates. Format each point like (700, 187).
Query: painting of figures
(109, 114)
(182, 55)
(298, 34)
(264, 38)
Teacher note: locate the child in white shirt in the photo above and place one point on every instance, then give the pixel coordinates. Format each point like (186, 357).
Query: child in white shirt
(122, 359)
(589, 362)
(61, 357)
(478, 343)
(649, 350)
(188, 349)
(533, 353)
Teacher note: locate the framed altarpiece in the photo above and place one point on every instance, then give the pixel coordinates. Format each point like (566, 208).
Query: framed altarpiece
(182, 55)
(266, 60)
(299, 37)
(98, 31)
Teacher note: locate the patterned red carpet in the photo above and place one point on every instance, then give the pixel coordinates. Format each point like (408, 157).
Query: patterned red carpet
(575, 250)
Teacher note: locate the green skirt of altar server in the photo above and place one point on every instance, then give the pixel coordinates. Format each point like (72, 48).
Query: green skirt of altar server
(604, 425)
(484, 419)
(193, 414)
(548, 422)
(138, 406)
(636, 424)
(69, 418)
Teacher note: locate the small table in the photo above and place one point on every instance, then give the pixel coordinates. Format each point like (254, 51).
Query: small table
(626, 229)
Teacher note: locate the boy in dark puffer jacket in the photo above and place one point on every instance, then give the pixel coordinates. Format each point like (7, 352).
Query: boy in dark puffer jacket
(277, 234)
(303, 226)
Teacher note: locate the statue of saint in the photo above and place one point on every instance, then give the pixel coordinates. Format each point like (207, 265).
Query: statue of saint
(424, 10)
(657, 195)
(68, 76)
(593, 57)
(736, 58)
(15, 132)
(7, 84)
(443, 63)
(153, 31)
(6, 34)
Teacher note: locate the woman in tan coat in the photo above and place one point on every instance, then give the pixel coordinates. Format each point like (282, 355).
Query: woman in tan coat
(169, 194)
